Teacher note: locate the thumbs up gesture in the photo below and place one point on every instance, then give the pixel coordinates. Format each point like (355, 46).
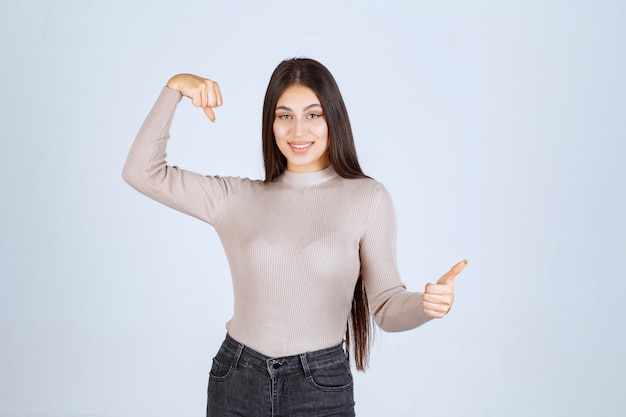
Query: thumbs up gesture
(438, 298)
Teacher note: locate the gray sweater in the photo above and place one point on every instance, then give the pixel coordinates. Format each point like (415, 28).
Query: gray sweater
(295, 246)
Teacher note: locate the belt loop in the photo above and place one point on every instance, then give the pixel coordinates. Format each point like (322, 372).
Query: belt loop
(237, 356)
(305, 365)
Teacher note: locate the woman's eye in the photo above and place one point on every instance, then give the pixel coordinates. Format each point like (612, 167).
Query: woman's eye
(284, 117)
(314, 116)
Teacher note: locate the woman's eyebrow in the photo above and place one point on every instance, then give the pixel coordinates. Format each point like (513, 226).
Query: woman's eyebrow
(306, 108)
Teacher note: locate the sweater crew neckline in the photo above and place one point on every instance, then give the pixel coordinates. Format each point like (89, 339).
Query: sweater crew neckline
(309, 178)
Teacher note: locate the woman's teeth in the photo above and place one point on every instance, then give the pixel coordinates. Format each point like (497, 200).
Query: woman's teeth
(300, 147)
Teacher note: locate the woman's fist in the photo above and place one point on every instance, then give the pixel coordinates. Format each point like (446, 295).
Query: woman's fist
(203, 92)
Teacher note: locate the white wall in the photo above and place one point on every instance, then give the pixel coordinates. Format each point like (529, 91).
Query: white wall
(499, 129)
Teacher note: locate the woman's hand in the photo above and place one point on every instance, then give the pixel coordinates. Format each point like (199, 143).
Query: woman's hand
(438, 298)
(202, 92)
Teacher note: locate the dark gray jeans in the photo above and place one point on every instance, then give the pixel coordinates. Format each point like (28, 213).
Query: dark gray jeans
(246, 383)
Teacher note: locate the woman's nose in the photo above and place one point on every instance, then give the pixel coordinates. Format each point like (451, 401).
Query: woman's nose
(300, 127)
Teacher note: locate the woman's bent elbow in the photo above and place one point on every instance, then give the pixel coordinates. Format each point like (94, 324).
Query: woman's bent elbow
(131, 176)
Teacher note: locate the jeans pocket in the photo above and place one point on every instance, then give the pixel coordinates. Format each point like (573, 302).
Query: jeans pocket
(222, 367)
(333, 377)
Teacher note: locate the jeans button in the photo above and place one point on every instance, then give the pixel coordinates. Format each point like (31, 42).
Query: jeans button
(276, 365)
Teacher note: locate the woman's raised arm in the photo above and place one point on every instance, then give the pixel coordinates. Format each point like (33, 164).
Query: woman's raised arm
(146, 168)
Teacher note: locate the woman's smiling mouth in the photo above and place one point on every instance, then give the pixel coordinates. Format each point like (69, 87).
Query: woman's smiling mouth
(300, 147)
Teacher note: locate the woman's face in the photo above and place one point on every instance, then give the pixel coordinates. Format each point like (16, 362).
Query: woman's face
(300, 129)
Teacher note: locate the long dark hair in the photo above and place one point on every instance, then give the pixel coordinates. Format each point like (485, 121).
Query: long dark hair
(342, 155)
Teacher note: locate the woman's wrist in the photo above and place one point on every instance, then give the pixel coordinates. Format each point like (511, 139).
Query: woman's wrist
(173, 83)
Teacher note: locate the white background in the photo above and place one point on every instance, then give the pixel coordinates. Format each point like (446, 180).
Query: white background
(498, 127)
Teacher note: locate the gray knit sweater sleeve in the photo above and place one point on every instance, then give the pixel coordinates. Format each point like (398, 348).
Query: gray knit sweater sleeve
(147, 171)
(393, 307)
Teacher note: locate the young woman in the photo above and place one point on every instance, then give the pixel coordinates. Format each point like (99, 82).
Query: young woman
(311, 248)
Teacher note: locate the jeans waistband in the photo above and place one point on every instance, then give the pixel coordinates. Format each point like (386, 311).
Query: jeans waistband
(288, 364)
